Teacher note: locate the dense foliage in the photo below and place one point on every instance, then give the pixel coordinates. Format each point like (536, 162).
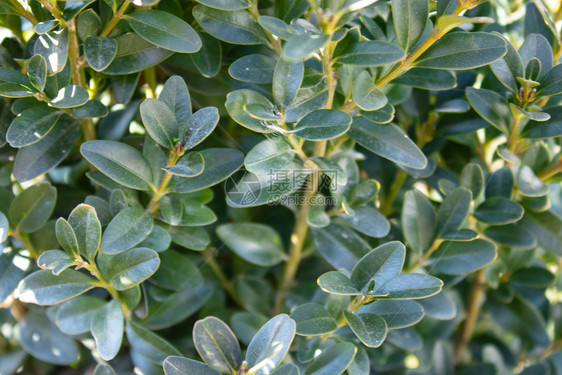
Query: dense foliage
(280, 187)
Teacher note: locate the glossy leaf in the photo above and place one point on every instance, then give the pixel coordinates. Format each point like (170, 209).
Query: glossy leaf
(409, 18)
(313, 319)
(257, 243)
(216, 344)
(269, 156)
(236, 26)
(107, 329)
(180, 366)
(388, 141)
(31, 126)
(323, 124)
(270, 345)
(69, 97)
(332, 360)
(75, 316)
(410, 286)
(419, 221)
(369, 328)
(462, 51)
(380, 264)
(127, 229)
(100, 52)
(287, 79)
(120, 162)
(44, 288)
(176, 35)
(159, 122)
(371, 54)
(37, 72)
(32, 207)
(366, 95)
(455, 258)
(498, 210)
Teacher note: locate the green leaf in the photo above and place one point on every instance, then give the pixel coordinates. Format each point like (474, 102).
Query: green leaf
(44, 288)
(547, 228)
(532, 115)
(92, 109)
(37, 72)
(388, 141)
(53, 46)
(529, 184)
(340, 245)
(323, 124)
(462, 50)
(127, 229)
(131, 267)
(508, 68)
(120, 162)
(237, 27)
(335, 282)
(498, 210)
(75, 316)
(381, 116)
(4, 227)
(176, 96)
(178, 306)
(491, 106)
(31, 126)
(300, 47)
(397, 314)
(87, 228)
(225, 4)
(208, 60)
(88, 23)
(409, 19)
(66, 237)
(69, 97)
(268, 156)
(276, 27)
(472, 178)
(103, 369)
(13, 84)
(199, 126)
(55, 260)
(419, 221)
(32, 207)
(216, 344)
(164, 30)
(368, 221)
(238, 99)
(462, 234)
(196, 214)
(551, 83)
(513, 235)
(253, 69)
(366, 95)
(457, 258)
(369, 328)
(332, 360)
(181, 366)
(409, 286)
(287, 79)
(100, 52)
(159, 122)
(43, 340)
(149, 344)
(190, 238)
(135, 54)
(107, 329)
(370, 54)
(427, 79)
(380, 264)
(287, 369)
(453, 210)
(313, 319)
(257, 243)
(190, 165)
(537, 46)
(546, 129)
(269, 346)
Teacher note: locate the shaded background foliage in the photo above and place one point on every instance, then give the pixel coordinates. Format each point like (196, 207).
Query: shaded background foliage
(422, 139)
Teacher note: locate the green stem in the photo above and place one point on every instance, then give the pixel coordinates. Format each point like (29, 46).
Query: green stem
(52, 8)
(24, 239)
(472, 309)
(154, 203)
(115, 19)
(223, 279)
(399, 179)
(23, 13)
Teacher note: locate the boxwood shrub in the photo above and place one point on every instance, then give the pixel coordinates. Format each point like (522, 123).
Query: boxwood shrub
(283, 187)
